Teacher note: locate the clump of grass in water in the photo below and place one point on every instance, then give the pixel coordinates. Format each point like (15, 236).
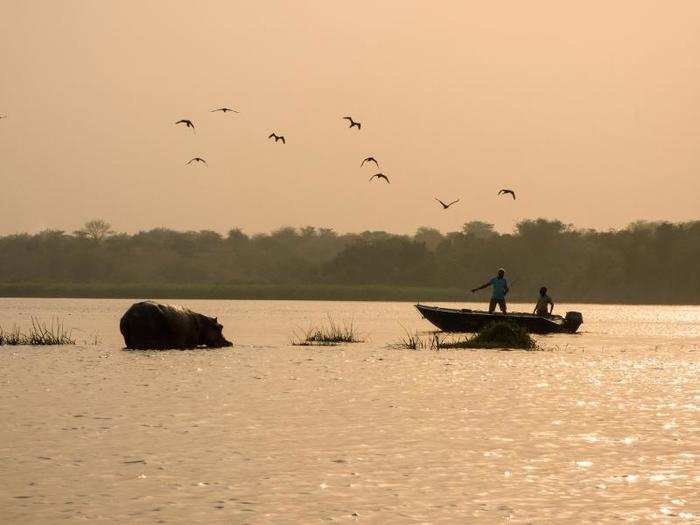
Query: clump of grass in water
(416, 342)
(495, 335)
(40, 334)
(328, 334)
(498, 334)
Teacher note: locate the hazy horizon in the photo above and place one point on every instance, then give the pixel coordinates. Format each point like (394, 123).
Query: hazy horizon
(589, 112)
(318, 227)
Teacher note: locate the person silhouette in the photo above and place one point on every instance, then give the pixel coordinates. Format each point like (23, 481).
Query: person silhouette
(543, 301)
(499, 289)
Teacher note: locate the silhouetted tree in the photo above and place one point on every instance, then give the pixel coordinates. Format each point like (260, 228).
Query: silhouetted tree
(645, 262)
(428, 236)
(96, 230)
(479, 229)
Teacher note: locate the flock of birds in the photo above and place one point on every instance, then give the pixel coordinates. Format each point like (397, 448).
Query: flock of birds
(352, 124)
(280, 138)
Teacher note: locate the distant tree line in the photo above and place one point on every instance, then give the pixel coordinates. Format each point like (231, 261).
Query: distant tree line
(645, 262)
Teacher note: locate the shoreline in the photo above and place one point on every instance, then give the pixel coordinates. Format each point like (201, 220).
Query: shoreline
(310, 292)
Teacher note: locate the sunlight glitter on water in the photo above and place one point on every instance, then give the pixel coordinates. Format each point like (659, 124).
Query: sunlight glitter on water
(601, 427)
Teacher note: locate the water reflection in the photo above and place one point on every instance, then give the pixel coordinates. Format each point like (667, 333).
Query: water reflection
(603, 429)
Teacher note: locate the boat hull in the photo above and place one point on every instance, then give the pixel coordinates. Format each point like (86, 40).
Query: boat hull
(465, 320)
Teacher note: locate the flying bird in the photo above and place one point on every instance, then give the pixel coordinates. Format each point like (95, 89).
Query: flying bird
(277, 137)
(224, 110)
(380, 176)
(186, 122)
(504, 192)
(445, 206)
(353, 124)
(197, 159)
(370, 159)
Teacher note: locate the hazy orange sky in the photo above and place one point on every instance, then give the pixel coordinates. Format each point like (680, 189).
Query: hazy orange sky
(590, 111)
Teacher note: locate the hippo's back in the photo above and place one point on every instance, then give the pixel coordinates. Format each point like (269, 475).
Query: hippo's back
(152, 325)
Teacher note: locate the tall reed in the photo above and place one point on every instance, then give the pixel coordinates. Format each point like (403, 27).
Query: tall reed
(329, 333)
(416, 341)
(40, 334)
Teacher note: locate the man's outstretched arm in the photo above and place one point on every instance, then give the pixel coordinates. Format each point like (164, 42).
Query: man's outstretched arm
(481, 287)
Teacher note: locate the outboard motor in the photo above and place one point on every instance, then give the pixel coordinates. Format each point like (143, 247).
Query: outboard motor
(572, 321)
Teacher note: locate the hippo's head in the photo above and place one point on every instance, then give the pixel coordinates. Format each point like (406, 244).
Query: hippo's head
(210, 333)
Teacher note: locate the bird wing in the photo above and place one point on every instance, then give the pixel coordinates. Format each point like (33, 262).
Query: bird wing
(181, 122)
(283, 140)
(271, 136)
(453, 202)
(445, 205)
(189, 162)
(386, 179)
(359, 125)
(347, 118)
(513, 194)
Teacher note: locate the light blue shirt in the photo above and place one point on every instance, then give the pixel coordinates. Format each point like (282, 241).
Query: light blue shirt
(498, 287)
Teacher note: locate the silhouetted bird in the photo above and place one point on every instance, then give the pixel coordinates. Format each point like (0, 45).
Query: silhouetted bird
(370, 159)
(353, 124)
(224, 110)
(277, 137)
(186, 122)
(197, 159)
(380, 176)
(504, 192)
(445, 206)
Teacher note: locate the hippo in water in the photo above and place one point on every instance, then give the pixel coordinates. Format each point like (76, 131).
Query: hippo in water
(158, 326)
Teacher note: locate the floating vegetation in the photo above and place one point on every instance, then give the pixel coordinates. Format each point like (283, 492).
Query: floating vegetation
(93, 339)
(494, 335)
(418, 342)
(329, 333)
(40, 334)
(498, 334)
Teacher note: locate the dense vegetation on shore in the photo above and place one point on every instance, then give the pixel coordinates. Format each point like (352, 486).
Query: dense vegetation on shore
(645, 262)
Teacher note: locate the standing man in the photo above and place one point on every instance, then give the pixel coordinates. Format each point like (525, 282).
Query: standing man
(499, 289)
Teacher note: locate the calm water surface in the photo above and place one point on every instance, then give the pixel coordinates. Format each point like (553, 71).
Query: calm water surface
(603, 426)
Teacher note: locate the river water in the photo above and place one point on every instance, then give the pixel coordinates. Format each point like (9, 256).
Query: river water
(602, 426)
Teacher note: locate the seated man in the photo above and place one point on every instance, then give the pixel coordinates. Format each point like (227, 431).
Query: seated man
(542, 301)
(499, 289)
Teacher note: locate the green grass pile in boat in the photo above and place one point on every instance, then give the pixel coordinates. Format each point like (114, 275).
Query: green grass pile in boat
(329, 333)
(39, 334)
(499, 334)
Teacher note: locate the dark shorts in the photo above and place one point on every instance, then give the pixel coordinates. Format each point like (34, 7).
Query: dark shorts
(500, 302)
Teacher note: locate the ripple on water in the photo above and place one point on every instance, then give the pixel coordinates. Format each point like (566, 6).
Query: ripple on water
(361, 432)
